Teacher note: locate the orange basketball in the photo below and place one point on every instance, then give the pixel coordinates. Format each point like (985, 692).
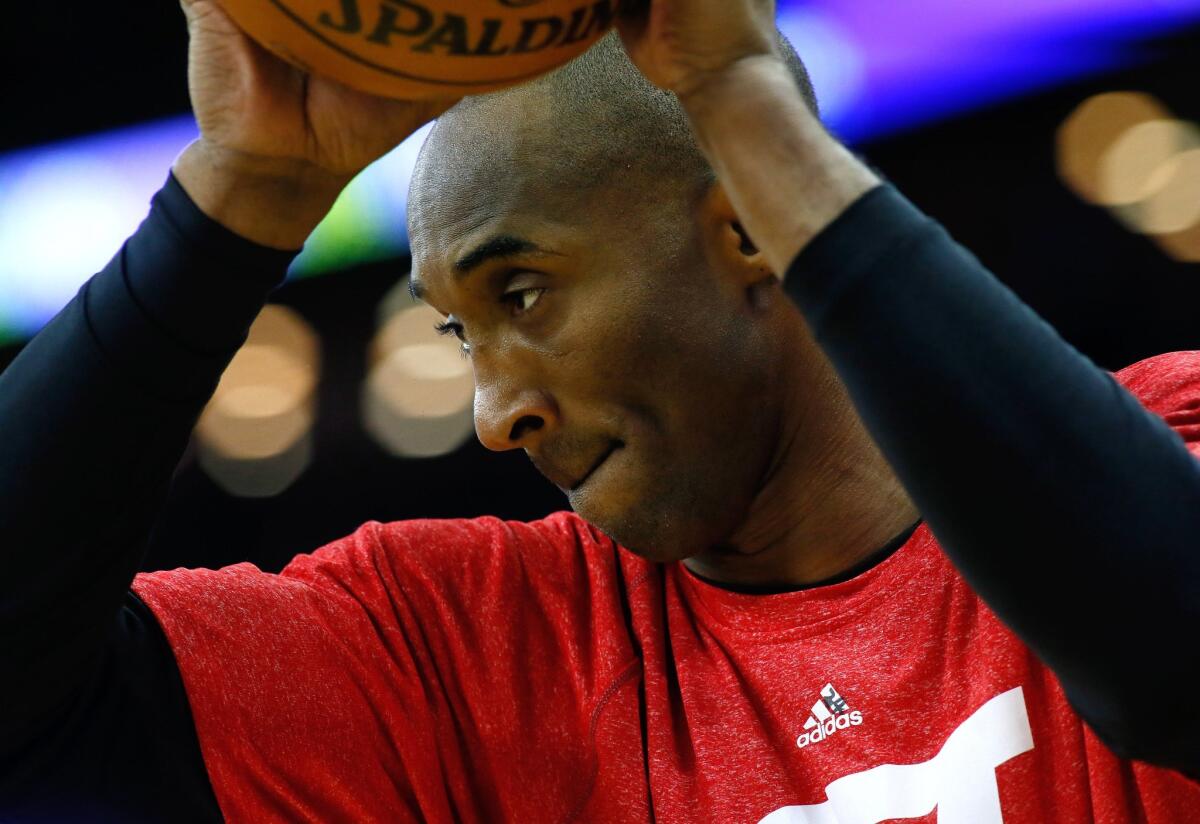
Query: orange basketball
(419, 49)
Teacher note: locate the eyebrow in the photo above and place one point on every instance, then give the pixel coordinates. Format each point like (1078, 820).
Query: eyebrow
(499, 246)
(494, 247)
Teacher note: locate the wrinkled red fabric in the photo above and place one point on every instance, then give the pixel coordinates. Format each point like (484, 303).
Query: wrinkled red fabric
(482, 670)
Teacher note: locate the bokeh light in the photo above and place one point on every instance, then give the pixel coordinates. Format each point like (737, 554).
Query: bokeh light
(417, 398)
(1125, 151)
(1089, 132)
(1135, 167)
(1174, 204)
(254, 437)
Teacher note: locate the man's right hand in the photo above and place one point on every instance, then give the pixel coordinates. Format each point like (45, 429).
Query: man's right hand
(277, 145)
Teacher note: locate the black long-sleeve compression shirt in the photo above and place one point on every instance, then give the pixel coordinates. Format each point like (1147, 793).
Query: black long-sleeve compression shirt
(97, 410)
(94, 415)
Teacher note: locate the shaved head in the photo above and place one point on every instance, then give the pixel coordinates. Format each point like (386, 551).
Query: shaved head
(591, 121)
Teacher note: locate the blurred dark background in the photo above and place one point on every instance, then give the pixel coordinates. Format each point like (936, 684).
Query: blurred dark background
(988, 173)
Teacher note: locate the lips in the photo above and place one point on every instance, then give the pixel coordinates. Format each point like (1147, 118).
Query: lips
(565, 479)
(603, 457)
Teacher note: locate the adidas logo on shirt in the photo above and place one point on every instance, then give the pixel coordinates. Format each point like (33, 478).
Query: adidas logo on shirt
(830, 714)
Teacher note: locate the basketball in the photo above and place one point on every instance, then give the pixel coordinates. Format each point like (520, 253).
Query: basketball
(420, 49)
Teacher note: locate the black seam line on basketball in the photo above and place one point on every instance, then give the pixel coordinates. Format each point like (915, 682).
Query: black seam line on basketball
(299, 21)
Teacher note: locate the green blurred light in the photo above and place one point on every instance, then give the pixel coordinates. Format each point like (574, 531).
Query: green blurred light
(351, 233)
(367, 223)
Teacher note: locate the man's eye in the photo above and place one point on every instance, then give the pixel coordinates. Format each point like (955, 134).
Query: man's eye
(449, 328)
(522, 300)
(454, 328)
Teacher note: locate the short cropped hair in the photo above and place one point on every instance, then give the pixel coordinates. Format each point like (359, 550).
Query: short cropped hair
(598, 118)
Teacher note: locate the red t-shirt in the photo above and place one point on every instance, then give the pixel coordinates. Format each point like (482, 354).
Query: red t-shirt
(535, 672)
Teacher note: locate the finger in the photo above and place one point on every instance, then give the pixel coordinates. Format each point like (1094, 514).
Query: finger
(209, 15)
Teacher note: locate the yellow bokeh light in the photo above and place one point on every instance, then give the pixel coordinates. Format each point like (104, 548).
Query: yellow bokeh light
(412, 326)
(406, 380)
(1135, 167)
(263, 380)
(1091, 130)
(254, 436)
(1125, 151)
(1175, 204)
(418, 395)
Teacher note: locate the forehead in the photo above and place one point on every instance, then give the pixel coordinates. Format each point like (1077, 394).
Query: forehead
(448, 221)
(460, 203)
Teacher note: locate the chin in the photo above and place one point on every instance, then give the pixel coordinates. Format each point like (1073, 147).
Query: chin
(659, 508)
(661, 549)
(658, 532)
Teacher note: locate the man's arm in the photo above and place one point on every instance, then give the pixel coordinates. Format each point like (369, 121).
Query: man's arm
(1074, 512)
(1071, 510)
(96, 411)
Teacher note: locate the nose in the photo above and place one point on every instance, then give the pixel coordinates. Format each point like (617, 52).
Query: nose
(512, 417)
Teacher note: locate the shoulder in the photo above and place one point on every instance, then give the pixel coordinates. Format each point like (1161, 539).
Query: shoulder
(480, 564)
(478, 600)
(449, 587)
(1164, 381)
(434, 544)
(1169, 386)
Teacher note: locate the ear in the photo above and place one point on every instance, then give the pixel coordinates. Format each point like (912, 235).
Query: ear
(729, 244)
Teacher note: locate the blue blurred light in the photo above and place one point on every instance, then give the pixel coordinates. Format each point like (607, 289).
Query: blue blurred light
(833, 56)
(66, 208)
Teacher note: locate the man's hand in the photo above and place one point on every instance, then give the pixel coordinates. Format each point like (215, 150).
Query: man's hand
(277, 145)
(680, 45)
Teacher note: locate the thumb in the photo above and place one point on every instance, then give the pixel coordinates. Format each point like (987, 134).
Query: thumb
(209, 15)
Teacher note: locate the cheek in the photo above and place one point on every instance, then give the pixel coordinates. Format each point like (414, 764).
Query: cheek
(610, 341)
(696, 368)
(665, 345)
(685, 385)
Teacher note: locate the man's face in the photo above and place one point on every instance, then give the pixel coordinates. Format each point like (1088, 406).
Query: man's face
(607, 343)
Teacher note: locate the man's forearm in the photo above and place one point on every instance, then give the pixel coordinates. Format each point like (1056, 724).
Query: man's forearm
(785, 175)
(272, 202)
